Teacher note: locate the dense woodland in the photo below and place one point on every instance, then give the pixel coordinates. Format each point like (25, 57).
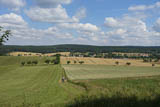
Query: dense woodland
(80, 48)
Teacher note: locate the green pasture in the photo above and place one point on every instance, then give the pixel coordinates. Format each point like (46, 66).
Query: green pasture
(103, 71)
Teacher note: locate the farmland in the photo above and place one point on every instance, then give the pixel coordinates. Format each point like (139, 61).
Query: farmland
(102, 71)
(89, 84)
(39, 85)
(103, 61)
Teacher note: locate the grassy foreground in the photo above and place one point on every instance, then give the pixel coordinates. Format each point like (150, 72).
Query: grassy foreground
(33, 86)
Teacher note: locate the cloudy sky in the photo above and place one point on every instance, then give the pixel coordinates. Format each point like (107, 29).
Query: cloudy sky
(93, 22)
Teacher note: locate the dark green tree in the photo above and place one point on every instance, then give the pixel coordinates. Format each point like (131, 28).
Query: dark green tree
(81, 62)
(35, 62)
(68, 62)
(47, 61)
(4, 35)
(22, 63)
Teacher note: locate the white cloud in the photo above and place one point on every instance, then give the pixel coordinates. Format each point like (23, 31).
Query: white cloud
(57, 14)
(12, 4)
(144, 7)
(12, 21)
(79, 26)
(51, 3)
(156, 26)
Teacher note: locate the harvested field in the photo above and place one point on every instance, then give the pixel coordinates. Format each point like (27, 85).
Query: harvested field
(102, 61)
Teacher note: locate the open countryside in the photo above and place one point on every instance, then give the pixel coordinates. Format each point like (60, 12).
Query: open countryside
(79, 53)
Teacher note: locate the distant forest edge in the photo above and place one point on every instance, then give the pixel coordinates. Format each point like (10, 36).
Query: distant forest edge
(80, 48)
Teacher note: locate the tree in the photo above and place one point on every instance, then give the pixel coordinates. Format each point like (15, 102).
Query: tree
(35, 62)
(22, 63)
(68, 62)
(81, 62)
(5, 35)
(128, 63)
(75, 62)
(47, 61)
(29, 62)
(153, 65)
(53, 61)
(117, 63)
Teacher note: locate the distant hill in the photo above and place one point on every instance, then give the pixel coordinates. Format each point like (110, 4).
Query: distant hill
(80, 48)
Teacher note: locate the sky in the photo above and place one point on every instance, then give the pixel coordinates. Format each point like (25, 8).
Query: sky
(90, 22)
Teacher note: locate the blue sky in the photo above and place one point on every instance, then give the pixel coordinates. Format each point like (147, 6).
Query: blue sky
(92, 22)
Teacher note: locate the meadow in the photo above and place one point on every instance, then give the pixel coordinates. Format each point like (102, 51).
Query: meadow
(76, 72)
(37, 86)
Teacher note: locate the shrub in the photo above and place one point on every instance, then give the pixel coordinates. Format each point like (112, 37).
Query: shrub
(117, 63)
(68, 62)
(153, 65)
(128, 63)
(22, 63)
(29, 62)
(47, 61)
(81, 62)
(75, 62)
(35, 62)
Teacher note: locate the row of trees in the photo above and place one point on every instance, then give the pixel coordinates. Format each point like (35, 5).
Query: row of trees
(47, 61)
(29, 63)
(128, 63)
(75, 62)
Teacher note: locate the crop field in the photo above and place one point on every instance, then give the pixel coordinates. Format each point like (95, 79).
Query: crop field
(103, 71)
(22, 86)
(37, 54)
(102, 61)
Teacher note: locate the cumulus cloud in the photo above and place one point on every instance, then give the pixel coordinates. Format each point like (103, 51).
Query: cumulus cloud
(12, 20)
(79, 26)
(57, 14)
(156, 26)
(12, 4)
(144, 7)
(51, 3)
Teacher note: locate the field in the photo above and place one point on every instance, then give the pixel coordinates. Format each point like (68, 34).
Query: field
(102, 61)
(87, 86)
(103, 71)
(37, 54)
(39, 85)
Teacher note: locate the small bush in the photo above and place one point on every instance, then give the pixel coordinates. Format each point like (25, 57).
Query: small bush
(117, 63)
(81, 62)
(22, 63)
(47, 61)
(68, 62)
(35, 62)
(128, 63)
(29, 62)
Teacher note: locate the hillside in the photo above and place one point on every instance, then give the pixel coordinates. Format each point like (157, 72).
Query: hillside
(79, 48)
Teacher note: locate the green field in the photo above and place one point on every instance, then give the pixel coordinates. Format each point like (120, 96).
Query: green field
(75, 72)
(33, 84)
(88, 85)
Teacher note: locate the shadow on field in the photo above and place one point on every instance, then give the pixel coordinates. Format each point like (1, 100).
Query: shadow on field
(114, 101)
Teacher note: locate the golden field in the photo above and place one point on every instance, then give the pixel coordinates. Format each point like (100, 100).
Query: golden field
(37, 54)
(103, 61)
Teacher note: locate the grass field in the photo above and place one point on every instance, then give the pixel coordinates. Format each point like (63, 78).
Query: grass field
(24, 85)
(103, 71)
(91, 85)
(102, 61)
